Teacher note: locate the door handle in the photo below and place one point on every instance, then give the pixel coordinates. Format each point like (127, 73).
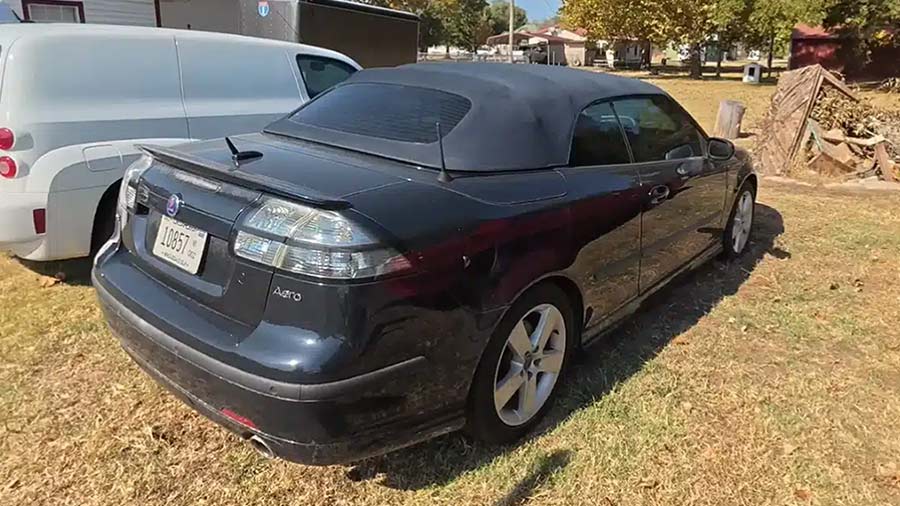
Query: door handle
(684, 170)
(658, 194)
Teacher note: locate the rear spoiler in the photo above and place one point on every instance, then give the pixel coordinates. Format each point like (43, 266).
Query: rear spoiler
(233, 174)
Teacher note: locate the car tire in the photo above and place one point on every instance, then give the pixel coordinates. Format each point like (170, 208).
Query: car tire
(104, 221)
(528, 380)
(740, 222)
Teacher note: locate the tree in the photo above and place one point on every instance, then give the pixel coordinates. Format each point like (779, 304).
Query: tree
(498, 16)
(546, 23)
(871, 29)
(729, 17)
(467, 26)
(687, 22)
(770, 22)
(433, 15)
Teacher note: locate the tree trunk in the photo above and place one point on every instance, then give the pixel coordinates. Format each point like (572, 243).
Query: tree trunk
(771, 50)
(728, 121)
(718, 60)
(696, 64)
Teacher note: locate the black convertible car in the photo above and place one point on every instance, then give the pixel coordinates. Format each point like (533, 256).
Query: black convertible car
(418, 250)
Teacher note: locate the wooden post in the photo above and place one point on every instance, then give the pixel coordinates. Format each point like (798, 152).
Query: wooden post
(728, 122)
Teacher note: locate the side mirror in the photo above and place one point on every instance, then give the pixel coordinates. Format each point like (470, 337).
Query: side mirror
(720, 149)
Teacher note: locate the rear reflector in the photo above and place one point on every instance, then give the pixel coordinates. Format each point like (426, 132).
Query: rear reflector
(40, 221)
(8, 168)
(238, 418)
(7, 139)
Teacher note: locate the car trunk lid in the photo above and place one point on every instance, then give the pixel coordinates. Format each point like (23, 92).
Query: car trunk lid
(213, 194)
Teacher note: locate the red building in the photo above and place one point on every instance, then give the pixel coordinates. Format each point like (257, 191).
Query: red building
(811, 45)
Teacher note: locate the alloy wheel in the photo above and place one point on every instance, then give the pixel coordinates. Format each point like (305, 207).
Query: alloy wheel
(530, 364)
(743, 222)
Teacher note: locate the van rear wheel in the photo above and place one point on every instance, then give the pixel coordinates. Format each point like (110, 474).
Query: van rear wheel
(105, 219)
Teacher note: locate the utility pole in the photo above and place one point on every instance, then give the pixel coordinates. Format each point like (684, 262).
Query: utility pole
(512, 26)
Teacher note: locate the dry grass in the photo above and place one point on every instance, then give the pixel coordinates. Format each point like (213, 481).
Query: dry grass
(773, 380)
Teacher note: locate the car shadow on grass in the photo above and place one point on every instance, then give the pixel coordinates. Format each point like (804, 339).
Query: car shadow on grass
(76, 272)
(617, 357)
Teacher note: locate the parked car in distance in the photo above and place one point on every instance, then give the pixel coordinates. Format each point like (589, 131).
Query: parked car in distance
(418, 250)
(76, 98)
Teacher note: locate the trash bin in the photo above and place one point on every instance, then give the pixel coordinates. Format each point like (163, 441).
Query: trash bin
(752, 73)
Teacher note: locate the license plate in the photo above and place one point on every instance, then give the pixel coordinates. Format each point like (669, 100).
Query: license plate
(179, 244)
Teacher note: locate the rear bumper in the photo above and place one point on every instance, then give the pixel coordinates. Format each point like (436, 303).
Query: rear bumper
(315, 424)
(17, 232)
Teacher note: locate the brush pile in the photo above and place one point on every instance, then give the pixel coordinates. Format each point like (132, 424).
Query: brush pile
(817, 124)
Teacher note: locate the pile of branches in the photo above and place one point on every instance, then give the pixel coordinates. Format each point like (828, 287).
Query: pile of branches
(833, 110)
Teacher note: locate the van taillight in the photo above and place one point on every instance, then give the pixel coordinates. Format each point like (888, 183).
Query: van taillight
(8, 168)
(7, 139)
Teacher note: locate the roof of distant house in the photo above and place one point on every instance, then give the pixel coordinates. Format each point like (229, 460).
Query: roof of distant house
(503, 38)
(581, 33)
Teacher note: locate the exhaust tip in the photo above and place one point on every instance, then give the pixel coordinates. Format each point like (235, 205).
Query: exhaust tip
(261, 447)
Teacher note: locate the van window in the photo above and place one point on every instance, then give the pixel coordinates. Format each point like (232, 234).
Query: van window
(320, 72)
(217, 70)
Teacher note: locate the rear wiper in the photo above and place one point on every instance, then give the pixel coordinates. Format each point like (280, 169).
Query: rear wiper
(238, 156)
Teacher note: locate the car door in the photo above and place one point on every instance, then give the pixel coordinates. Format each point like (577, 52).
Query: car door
(683, 193)
(606, 211)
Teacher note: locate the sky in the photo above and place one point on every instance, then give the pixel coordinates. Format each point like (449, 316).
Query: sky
(539, 9)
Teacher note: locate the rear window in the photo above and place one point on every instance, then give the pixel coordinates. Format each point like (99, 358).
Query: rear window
(386, 111)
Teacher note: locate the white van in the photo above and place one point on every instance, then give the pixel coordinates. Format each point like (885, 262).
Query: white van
(75, 99)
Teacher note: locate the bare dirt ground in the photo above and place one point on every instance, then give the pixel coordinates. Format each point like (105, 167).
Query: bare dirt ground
(774, 379)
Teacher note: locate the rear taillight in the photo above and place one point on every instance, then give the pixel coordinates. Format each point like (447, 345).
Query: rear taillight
(40, 220)
(8, 167)
(7, 139)
(128, 189)
(322, 244)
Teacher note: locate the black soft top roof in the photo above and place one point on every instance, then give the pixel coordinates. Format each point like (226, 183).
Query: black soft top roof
(521, 116)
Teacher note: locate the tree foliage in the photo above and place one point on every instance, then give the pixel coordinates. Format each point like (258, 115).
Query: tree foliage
(467, 25)
(871, 28)
(498, 16)
(696, 23)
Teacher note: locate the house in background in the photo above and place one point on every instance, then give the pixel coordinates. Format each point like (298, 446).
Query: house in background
(815, 44)
(555, 46)
(577, 48)
(116, 12)
(564, 47)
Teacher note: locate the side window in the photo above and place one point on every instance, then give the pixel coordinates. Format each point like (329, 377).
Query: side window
(657, 129)
(320, 73)
(598, 139)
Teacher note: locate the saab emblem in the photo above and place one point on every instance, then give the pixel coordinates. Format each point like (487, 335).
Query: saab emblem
(173, 205)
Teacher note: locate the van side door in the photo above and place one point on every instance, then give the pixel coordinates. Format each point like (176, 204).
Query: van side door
(605, 188)
(234, 87)
(682, 192)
